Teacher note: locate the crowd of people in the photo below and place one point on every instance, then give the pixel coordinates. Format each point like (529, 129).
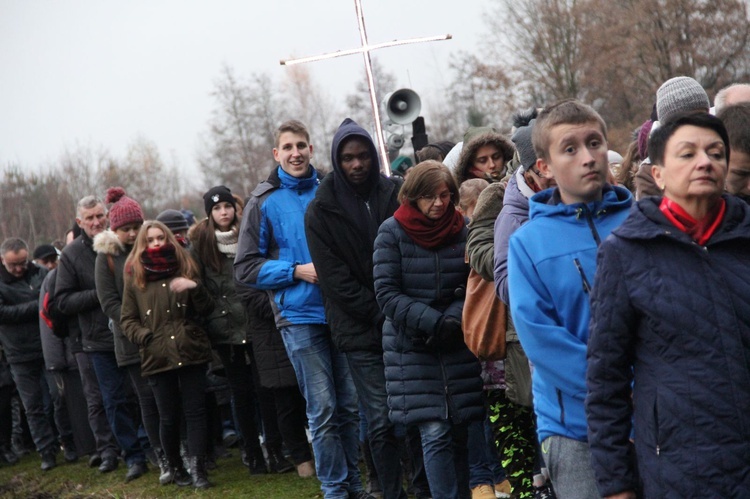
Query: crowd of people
(532, 316)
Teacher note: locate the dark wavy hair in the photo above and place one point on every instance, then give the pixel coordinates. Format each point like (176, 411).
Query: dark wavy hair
(657, 142)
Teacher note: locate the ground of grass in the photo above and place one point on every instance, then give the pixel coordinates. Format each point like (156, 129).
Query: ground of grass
(231, 479)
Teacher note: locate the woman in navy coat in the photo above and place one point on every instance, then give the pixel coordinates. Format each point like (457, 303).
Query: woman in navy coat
(670, 324)
(433, 380)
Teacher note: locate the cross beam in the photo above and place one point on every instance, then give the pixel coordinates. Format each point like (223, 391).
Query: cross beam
(365, 50)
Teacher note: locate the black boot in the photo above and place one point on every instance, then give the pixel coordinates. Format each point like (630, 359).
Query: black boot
(166, 475)
(7, 454)
(177, 473)
(256, 461)
(277, 463)
(69, 449)
(199, 473)
(49, 457)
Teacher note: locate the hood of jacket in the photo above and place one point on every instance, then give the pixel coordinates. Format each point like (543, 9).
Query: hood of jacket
(348, 129)
(547, 203)
(515, 201)
(361, 202)
(469, 150)
(108, 243)
(489, 204)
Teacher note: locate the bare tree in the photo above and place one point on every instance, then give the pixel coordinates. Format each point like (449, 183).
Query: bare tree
(309, 103)
(237, 148)
(358, 103)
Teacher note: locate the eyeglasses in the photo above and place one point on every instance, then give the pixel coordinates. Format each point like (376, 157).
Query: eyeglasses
(444, 197)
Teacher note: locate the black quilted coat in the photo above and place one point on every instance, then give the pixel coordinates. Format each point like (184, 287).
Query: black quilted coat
(674, 317)
(415, 288)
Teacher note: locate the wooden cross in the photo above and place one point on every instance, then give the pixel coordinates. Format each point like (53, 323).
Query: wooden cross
(365, 50)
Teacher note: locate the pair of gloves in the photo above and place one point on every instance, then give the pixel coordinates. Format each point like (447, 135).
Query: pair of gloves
(448, 336)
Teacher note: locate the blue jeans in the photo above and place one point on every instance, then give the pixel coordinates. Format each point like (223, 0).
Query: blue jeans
(112, 381)
(326, 383)
(484, 462)
(368, 373)
(446, 459)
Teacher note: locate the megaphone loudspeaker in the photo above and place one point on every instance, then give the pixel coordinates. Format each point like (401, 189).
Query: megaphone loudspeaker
(402, 106)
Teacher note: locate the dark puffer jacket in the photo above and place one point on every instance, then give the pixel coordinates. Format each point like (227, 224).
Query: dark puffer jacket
(19, 314)
(416, 288)
(341, 240)
(75, 293)
(673, 317)
(227, 323)
(274, 367)
(109, 285)
(165, 325)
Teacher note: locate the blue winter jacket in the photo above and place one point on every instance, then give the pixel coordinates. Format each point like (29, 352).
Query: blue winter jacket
(551, 267)
(416, 287)
(674, 317)
(272, 241)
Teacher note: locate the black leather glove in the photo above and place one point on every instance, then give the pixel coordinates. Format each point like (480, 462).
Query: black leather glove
(448, 336)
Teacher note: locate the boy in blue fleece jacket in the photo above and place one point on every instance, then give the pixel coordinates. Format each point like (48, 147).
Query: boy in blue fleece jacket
(551, 266)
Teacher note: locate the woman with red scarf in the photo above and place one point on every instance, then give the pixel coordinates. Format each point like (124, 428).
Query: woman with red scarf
(433, 380)
(162, 303)
(670, 317)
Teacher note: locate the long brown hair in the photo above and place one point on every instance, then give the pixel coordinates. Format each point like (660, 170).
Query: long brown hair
(203, 237)
(133, 266)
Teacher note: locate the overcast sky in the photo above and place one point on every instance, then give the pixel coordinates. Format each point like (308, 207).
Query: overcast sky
(100, 73)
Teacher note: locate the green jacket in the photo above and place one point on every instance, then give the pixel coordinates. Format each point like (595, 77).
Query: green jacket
(165, 325)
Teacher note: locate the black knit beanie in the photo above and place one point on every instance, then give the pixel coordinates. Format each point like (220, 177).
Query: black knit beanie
(216, 195)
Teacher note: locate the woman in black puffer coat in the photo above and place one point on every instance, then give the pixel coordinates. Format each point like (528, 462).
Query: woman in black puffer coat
(433, 380)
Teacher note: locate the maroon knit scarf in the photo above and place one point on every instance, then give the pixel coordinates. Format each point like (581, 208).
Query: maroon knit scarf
(426, 232)
(160, 263)
(699, 230)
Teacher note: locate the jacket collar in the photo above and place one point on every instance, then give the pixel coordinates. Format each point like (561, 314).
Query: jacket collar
(548, 203)
(646, 221)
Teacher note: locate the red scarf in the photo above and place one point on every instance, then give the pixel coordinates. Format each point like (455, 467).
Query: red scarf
(160, 263)
(426, 232)
(699, 230)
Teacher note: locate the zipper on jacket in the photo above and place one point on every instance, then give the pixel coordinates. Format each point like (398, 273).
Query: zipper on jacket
(437, 276)
(562, 407)
(445, 386)
(590, 221)
(579, 267)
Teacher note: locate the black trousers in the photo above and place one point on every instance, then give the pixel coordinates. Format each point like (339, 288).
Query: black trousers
(181, 388)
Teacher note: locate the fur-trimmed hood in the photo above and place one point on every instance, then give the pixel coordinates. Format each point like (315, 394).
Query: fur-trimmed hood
(470, 149)
(108, 243)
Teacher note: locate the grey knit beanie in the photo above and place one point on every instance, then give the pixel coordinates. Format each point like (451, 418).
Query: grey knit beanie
(680, 94)
(173, 219)
(522, 140)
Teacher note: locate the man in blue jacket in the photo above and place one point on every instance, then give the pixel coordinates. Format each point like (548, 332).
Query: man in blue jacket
(551, 266)
(272, 255)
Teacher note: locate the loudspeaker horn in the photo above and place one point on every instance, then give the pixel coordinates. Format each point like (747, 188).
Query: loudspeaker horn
(402, 106)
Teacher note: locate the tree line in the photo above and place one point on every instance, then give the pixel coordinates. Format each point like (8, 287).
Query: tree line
(613, 55)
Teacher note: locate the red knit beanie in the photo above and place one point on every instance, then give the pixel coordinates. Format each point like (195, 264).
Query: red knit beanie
(124, 210)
